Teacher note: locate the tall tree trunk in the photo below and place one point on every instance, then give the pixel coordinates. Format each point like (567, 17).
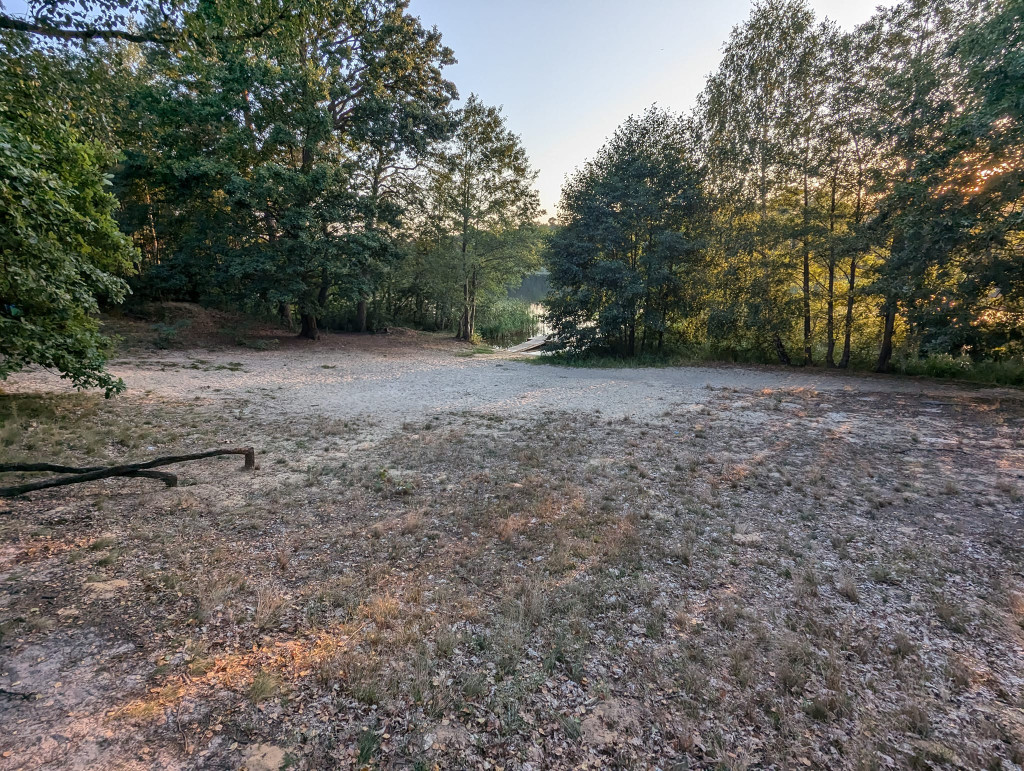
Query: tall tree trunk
(468, 294)
(472, 305)
(309, 329)
(310, 321)
(285, 311)
(154, 242)
(885, 354)
(830, 322)
(325, 288)
(464, 333)
(371, 227)
(844, 361)
(465, 322)
(361, 315)
(807, 272)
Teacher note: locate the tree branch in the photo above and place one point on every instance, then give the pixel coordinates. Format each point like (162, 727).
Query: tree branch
(169, 479)
(89, 33)
(17, 694)
(132, 469)
(97, 33)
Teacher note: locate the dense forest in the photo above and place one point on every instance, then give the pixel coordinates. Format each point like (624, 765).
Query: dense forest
(838, 198)
(834, 198)
(304, 160)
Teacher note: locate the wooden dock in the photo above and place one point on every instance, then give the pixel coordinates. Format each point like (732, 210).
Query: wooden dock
(532, 344)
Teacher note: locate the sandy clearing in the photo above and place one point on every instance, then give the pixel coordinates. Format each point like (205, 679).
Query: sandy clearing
(710, 540)
(392, 381)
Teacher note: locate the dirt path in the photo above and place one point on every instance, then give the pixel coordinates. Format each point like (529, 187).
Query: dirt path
(395, 379)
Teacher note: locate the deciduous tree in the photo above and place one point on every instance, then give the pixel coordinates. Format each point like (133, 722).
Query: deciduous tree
(60, 249)
(630, 240)
(481, 185)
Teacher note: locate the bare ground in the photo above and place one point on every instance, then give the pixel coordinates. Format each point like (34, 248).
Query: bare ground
(471, 561)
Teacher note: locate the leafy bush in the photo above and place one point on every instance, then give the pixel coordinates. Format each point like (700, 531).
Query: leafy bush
(167, 334)
(620, 264)
(942, 365)
(596, 360)
(60, 248)
(1008, 372)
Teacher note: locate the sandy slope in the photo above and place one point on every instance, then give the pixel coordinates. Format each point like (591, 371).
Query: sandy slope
(391, 379)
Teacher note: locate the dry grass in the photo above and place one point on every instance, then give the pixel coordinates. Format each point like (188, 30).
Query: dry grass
(746, 585)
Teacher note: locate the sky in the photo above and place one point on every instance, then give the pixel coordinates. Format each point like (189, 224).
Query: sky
(568, 72)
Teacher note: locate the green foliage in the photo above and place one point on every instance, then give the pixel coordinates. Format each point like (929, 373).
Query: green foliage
(506, 322)
(865, 193)
(475, 227)
(961, 205)
(265, 147)
(909, 94)
(833, 194)
(167, 334)
(60, 248)
(1008, 372)
(164, 22)
(296, 175)
(623, 263)
(773, 126)
(1004, 372)
(590, 360)
(262, 178)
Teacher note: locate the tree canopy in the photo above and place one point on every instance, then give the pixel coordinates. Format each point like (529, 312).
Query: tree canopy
(864, 191)
(481, 193)
(60, 248)
(846, 198)
(629, 248)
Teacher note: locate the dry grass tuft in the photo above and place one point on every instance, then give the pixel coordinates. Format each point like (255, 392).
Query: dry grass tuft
(382, 610)
(412, 522)
(847, 587)
(270, 605)
(264, 686)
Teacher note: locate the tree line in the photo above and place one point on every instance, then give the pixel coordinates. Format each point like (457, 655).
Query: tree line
(834, 197)
(303, 158)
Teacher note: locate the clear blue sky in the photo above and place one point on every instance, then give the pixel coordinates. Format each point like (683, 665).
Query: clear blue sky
(567, 72)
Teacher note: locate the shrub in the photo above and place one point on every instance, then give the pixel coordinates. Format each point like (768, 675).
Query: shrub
(942, 365)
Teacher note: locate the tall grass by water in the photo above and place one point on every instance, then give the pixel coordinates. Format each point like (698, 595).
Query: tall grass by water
(506, 322)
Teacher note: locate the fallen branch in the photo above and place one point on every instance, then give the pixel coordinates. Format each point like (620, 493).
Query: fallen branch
(169, 479)
(916, 448)
(6, 468)
(131, 469)
(17, 694)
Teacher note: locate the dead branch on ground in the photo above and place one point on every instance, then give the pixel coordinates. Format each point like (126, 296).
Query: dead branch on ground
(90, 474)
